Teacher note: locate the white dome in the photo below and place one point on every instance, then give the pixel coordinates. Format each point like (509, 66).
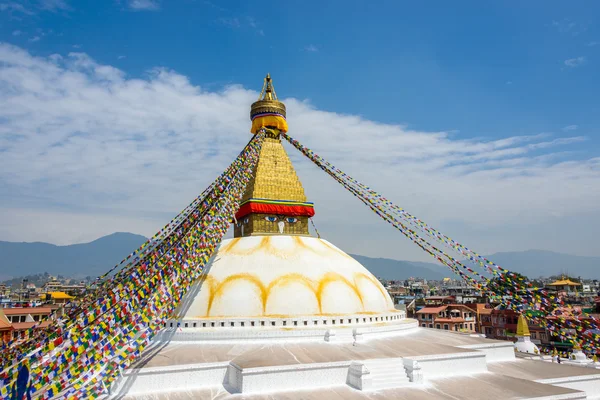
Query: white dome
(283, 276)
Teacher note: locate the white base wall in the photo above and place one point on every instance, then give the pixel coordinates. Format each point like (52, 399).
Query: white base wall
(180, 378)
(495, 352)
(448, 365)
(284, 378)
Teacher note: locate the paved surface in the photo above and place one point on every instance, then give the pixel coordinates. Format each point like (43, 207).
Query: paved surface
(484, 386)
(505, 380)
(249, 355)
(536, 370)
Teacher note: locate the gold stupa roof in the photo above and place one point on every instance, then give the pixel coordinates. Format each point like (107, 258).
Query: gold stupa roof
(274, 177)
(274, 201)
(522, 326)
(564, 282)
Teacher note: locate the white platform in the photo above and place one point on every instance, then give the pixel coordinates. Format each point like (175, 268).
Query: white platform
(410, 363)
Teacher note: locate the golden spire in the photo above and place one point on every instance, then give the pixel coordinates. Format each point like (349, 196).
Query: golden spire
(522, 326)
(274, 202)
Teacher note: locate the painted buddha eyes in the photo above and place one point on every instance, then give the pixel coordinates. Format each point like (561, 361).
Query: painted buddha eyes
(273, 218)
(239, 223)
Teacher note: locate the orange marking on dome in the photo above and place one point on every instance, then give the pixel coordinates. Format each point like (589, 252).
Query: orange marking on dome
(360, 275)
(229, 246)
(243, 276)
(332, 277)
(324, 243)
(293, 278)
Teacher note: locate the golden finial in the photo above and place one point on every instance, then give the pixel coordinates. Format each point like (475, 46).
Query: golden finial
(268, 91)
(268, 110)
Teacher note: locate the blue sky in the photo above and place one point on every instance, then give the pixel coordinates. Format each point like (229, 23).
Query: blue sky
(455, 75)
(478, 68)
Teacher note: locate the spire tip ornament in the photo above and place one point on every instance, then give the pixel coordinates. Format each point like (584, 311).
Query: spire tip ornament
(268, 111)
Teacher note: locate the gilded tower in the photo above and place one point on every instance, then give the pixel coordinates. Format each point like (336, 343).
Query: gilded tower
(274, 202)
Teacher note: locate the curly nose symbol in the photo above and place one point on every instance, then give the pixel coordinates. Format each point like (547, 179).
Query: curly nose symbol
(281, 225)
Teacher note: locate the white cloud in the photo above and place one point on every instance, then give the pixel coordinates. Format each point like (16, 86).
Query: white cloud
(144, 5)
(311, 48)
(567, 26)
(34, 39)
(15, 7)
(592, 44)
(87, 150)
(575, 62)
(121, 57)
(17, 33)
(54, 5)
(237, 23)
(570, 128)
(230, 22)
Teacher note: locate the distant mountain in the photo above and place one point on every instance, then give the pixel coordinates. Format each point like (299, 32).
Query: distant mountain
(395, 269)
(95, 258)
(76, 260)
(536, 263)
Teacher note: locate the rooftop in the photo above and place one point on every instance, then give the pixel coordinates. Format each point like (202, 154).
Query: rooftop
(27, 310)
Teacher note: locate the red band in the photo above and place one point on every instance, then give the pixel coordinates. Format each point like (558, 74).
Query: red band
(277, 209)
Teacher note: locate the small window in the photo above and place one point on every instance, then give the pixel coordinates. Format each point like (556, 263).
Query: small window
(341, 321)
(194, 324)
(333, 321)
(284, 323)
(324, 322)
(222, 324)
(295, 323)
(272, 323)
(185, 325)
(316, 322)
(242, 323)
(305, 322)
(252, 323)
(262, 323)
(212, 324)
(349, 320)
(204, 324)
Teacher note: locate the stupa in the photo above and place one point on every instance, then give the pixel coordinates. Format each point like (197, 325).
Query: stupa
(524, 343)
(281, 314)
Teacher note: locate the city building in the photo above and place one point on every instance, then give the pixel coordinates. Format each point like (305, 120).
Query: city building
(454, 317)
(5, 328)
(22, 319)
